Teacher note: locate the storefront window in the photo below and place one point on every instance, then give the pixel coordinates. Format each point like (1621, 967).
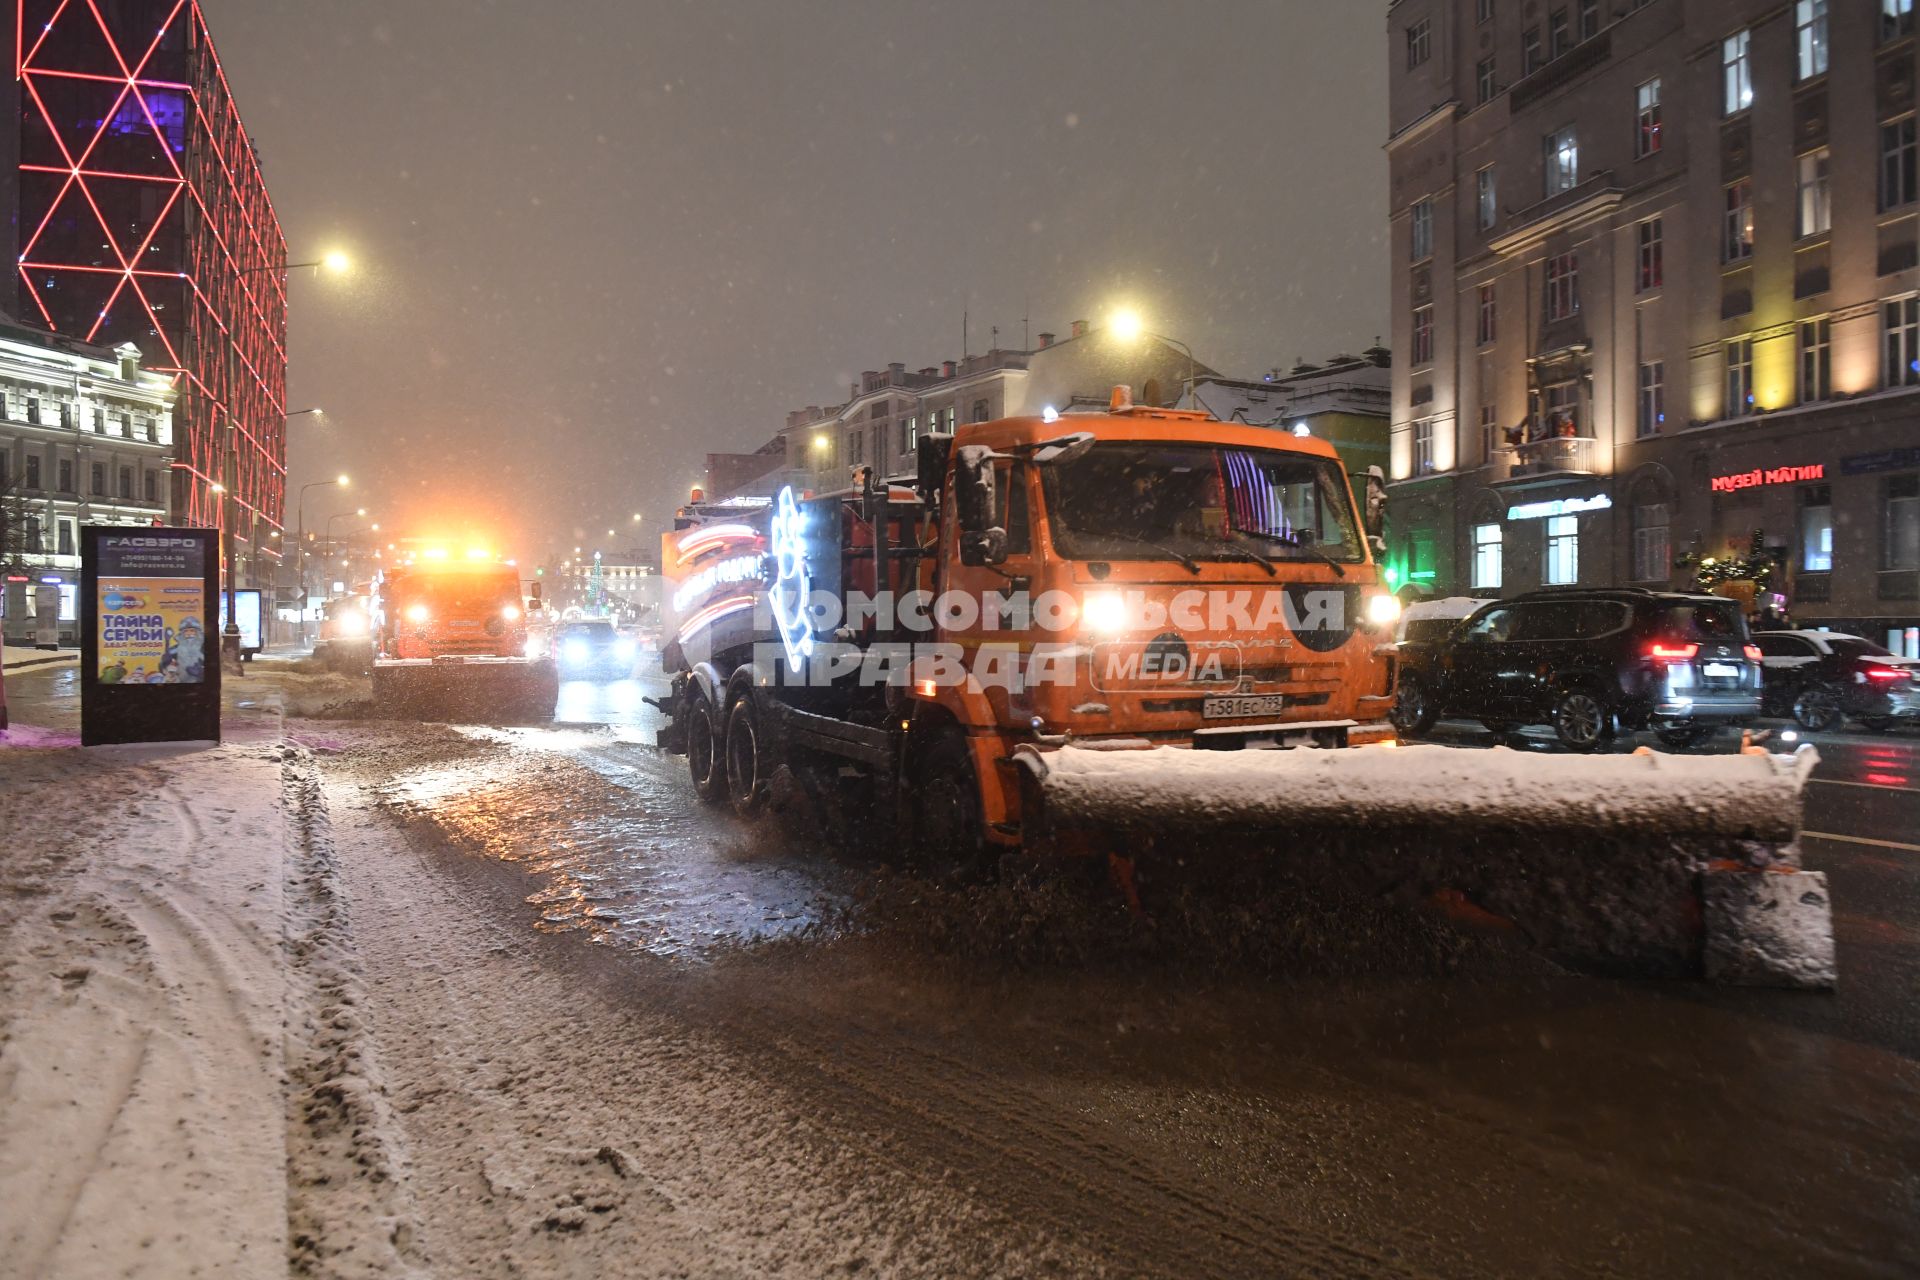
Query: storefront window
(1816, 530)
(1563, 550)
(1902, 545)
(1486, 557)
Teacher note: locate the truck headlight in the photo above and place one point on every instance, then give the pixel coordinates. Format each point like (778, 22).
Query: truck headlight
(511, 613)
(1383, 610)
(352, 624)
(1104, 611)
(418, 613)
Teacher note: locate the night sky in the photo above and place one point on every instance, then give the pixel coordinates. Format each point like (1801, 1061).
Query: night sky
(598, 238)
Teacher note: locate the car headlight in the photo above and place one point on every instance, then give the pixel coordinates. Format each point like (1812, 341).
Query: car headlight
(418, 613)
(533, 646)
(1104, 611)
(352, 624)
(575, 651)
(1384, 610)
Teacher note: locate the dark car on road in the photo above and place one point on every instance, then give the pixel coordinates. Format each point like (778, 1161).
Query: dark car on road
(593, 650)
(1823, 679)
(1587, 662)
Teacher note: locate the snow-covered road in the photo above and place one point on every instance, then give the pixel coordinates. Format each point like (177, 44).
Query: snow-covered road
(416, 1000)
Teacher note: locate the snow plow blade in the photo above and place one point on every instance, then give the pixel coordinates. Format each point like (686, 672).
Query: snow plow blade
(481, 690)
(1644, 864)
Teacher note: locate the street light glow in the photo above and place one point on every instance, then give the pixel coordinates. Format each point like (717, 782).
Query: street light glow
(337, 262)
(1126, 324)
(342, 480)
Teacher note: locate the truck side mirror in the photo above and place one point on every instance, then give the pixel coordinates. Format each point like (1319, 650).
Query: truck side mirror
(1376, 503)
(981, 542)
(533, 595)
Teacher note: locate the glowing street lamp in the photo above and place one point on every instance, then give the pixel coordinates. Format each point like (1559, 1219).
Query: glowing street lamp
(1125, 325)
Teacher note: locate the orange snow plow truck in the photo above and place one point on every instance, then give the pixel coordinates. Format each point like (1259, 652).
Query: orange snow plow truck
(1144, 577)
(450, 642)
(1098, 635)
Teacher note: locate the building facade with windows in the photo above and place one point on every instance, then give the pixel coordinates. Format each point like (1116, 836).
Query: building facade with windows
(138, 212)
(1655, 266)
(86, 437)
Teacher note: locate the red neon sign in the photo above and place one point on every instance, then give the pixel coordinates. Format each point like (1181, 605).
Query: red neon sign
(1769, 475)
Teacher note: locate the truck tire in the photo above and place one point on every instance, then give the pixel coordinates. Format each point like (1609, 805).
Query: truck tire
(750, 762)
(706, 762)
(949, 837)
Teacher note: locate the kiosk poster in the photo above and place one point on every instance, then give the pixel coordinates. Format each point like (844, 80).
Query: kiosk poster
(152, 610)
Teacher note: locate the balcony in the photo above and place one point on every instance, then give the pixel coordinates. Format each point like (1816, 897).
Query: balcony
(1562, 70)
(1552, 456)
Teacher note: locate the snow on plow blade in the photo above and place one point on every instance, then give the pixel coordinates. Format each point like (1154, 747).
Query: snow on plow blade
(1645, 864)
(465, 689)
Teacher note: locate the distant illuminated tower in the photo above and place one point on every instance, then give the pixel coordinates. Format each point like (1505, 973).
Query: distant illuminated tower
(596, 587)
(142, 217)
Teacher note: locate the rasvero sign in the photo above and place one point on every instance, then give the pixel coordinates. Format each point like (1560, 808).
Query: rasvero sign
(1768, 475)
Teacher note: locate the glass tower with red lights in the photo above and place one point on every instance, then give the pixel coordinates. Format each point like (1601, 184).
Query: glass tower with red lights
(141, 216)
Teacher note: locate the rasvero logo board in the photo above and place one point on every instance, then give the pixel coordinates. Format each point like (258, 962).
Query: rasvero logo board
(1768, 475)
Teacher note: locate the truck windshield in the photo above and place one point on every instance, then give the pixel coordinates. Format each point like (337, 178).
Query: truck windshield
(1153, 501)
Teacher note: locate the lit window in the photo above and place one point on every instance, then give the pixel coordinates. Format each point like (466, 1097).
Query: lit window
(1736, 65)
(1486, 197)
(1563, 410)
(1738, 245)
(1646, 135)
(1896, 19)
(1423, 447)
(1486, 557)
(1816, 530)
(1419, 42)
(1562, 161)
(1651, 271)
(1815, 193)
(1739, 376)
(1896, 164)
(1810, 36)
(1816, 360)
(1563, 550)
(1489, 318)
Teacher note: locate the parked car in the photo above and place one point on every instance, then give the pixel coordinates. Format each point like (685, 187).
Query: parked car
(593, 649)
(1587, 662)
(1824, 678)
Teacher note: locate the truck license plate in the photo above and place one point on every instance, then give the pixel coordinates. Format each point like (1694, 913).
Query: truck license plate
(1258, 704)
(1722, 670)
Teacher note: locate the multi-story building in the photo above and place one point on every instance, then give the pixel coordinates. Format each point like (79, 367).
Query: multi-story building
(1345, 402)
(86, 437)
(139, 214)
(886, 412)
(1655, 266)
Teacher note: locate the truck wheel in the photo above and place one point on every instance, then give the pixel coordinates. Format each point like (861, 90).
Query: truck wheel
(1414, 709)
(948, 833)
(705, 763)
(749, 759)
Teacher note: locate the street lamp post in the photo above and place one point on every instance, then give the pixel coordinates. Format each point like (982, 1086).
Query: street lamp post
(340, 480)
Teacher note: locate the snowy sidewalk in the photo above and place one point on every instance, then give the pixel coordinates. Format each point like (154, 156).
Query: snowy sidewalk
(144, 1011)
(16, 658)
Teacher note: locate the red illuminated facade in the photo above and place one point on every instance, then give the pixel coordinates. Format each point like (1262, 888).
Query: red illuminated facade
(141, 216)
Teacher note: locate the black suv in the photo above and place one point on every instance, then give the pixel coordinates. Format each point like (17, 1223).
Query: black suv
(1821, 678)
(1587, 662)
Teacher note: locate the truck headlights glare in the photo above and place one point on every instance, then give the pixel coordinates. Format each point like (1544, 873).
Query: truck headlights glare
(1104, 611)
(418, 613)
(511, 613)
(1383, 610)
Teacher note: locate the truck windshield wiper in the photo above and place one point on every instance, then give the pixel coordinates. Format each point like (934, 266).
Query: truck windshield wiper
(1308, 547)
(1192, 565)
(1246, 551)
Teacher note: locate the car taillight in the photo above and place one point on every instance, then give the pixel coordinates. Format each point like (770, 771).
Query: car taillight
(1753, 652)
(1887, 673)
(1673, 652)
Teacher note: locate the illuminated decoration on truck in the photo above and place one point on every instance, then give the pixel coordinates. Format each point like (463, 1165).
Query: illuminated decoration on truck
(731, 570)
(1760, 476)
(791, 586)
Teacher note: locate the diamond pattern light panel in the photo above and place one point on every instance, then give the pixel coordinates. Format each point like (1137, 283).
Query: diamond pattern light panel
(144, 218)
